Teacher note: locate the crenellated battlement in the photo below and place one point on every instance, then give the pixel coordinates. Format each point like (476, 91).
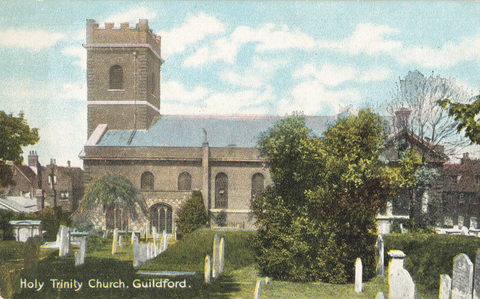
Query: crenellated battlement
(141, 34)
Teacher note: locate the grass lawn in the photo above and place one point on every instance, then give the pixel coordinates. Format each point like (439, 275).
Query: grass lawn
(188, 255)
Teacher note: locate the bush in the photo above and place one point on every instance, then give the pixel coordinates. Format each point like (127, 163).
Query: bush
(192, 215)
(5, 227)
(31, 252)
(430, 255)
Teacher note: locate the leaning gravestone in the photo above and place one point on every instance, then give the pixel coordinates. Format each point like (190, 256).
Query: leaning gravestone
(402, 285)
(222, 256)
(476, 277)
(82, 253)
(445, 287)
(208, 269)
(358, 276)
(216, 254)
(258, 289)
(462, 282)
(381, 256)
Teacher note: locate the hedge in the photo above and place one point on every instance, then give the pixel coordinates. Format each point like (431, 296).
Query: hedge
(430, 255)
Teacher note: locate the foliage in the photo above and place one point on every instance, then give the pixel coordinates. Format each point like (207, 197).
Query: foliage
(5, 227)
(427, 120)
(192, 215)
(14, 133)
(31, 252)
(429, 255)
(465, 115)
(320, 215)
(113, 189)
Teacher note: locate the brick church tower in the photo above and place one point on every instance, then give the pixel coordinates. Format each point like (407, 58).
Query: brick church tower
(123, 76)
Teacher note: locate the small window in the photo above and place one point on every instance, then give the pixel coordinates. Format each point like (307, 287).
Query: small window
(64, 194)
(147, 181)
(116, 77)
(184, 181)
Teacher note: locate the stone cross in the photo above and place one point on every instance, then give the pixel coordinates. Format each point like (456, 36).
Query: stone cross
(222, 256)
(258, 289)
(208, 269)
(462, 282)
(381, 256)
(401, 285)
(397, 262)
(82, 253)
(64, 233)
(476, 277)
(216, 255)
(136, 251)
(445, 287)
(358, 276)
(115, 241)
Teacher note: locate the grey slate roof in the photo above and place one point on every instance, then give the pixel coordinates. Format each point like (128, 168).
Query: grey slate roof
(222, 131)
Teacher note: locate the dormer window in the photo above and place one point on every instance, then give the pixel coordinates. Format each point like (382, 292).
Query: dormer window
(116, 77)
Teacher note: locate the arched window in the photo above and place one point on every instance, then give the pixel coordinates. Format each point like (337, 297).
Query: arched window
(258, 184)
(146, 181)
(221, 191)
(116, 217)
(161, 217)
(184, 181)
(116, 77)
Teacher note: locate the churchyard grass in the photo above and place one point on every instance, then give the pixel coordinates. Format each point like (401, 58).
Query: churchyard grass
(188, 255)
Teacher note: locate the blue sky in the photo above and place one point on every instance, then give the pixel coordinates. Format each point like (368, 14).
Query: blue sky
(234, 57)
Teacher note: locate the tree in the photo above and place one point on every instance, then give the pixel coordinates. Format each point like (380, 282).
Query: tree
(113, 190)
(320, 214)
(465, 116)
(427, 119)
(192, 215)
(14, 133)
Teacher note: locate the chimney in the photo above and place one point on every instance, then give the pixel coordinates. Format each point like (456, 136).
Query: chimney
(465, 158)
(69, 164)
(33, 161)
(402, 118)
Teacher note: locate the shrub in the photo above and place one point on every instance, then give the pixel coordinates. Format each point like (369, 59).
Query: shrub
(192, 215)
(5, 227)
(430, 255)
(31, 252)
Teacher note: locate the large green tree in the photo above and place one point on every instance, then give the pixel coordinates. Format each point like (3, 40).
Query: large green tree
(113, 190)
(465, 116)
(14, 133)
(320, 213)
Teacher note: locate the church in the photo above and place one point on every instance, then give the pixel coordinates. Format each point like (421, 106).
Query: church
(167, 157)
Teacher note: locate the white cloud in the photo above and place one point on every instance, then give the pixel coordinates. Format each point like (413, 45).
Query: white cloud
(132, 16)
(35, 40)
(268, 38)
(374, 74)
(175, 91)
(447, 56)
(76, 91)
(368, 38)
(195, 29)
(77, 52)
(311, 97)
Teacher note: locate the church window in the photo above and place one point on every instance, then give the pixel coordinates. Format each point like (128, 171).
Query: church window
(116, 77)
(221, 191)
(161, 217)
(258, 185)
(184, 181)
(146, 181)
(116, 217)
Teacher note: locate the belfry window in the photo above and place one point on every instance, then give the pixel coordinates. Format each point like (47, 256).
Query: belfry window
(116, 77)
(147, 181)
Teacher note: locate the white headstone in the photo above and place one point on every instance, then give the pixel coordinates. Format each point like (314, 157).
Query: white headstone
(222, 255)
(133, 237)
(476, 277)
(64, 241)
(401, 285)
(143, 253)
(216, 254)
(115, 241)
(208, 269)
(136, 251)
(461, 221)
(465, 230)
(380, 295)
(82, 252)
(258, 289)
(445, 287)
(473, 222)
(462, 281)
(358, 276)
(155, 241)
(381, 256)
(120, 241)
(397, 261)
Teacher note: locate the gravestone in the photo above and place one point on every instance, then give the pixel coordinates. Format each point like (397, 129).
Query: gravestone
(82, 252)
(216, 254)
(165, 245)
(461, 220)
(143, 253)
(381, 256)
(476, 277)
(358, 276)
(473, 222)
(380, 295)
(445, 287)
(136, 251)
(208, 269)
(258, 289)
(155, 241)
(402, 285)
(465, 231)
(64, 241)
(115, 241)
(397, 261)
(30, 253)
(462, 281)
(222, 255)
(120, 241)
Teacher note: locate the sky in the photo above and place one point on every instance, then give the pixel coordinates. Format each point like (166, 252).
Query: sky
(233, 57)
